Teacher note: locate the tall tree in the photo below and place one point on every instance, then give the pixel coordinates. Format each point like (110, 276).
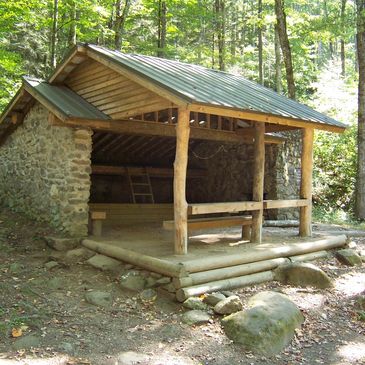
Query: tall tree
(342, 41)
(162, 24)
(360, 42)
(221, 32)
(120, 18)
(72, 39)
(285, 46)
(259, 41)
(277, 61)
(54, 37)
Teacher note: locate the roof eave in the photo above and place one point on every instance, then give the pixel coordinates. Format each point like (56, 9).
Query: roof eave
(264, 117)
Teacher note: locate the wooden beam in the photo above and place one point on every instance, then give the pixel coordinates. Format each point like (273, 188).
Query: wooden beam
(263, 117)
(139, 127)
(180, 167)
(290, 203)
(258, 181)
(152, 171)
(229, 207)
(305, 220)
(74, 58)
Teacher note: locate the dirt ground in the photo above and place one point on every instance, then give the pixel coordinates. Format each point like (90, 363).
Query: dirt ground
(50, 306)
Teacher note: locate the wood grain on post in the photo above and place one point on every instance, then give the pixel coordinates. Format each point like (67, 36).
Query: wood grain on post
(180, 168)
(258, 181)
(305, 221)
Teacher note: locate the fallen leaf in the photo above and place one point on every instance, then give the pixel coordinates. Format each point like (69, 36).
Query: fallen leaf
(16, 332)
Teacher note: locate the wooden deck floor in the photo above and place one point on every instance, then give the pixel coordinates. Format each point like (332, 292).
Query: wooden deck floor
(152, 240)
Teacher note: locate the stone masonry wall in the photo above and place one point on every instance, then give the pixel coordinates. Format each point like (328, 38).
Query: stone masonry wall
(284, 173)
(45, 172)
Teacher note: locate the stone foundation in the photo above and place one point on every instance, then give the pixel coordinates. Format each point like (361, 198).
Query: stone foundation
(45, 173)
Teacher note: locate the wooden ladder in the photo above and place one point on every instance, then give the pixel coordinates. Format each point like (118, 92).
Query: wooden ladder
(141, 187)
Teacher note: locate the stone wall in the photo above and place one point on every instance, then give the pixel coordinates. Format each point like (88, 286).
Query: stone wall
(45, 172)
(283, 166)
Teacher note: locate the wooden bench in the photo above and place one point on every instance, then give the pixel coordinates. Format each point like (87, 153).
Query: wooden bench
(96, 218)
(217, 222)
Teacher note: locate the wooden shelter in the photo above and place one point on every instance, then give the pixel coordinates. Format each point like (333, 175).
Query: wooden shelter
(158, 108)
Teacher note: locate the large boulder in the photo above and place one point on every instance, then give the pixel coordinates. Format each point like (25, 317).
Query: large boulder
(214, 298)
(267, 326)
(302, 274)
(348, 257)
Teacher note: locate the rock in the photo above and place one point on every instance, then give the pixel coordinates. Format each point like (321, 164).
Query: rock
(99, 298)
(360, 302)
(51, 265)
(132, 358)
(163, 281)
(302, 274)
(150, 282)
(104, 263)
(348, 257)
(62, 244)
(228, 305)
(195, 303)
(132, 280)
(362, 255)
(79, 254)
(170, 288)
(195, 317)
(148, 295)
(214, 298)
(128, 266)
(28, 341)
(267, 326)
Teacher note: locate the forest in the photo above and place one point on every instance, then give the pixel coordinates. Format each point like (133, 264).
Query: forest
(309, 50)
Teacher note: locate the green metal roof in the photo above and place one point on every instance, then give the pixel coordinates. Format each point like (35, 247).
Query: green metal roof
(197, 84)
(65, 100)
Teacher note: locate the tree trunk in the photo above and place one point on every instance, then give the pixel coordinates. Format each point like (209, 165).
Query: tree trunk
(120, 18)
(220, 25)
(360, 186)
(72, 38)
(161, 42)
(285, 46)
(259, 41)
(54, 37)
(343, 55)
(277, 62)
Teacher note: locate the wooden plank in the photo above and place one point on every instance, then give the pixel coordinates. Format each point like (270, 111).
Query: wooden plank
(143, 108)
(305, 218)
(229, 207)
(143, 81)
(152, 171)
(290, 203)
(105, 92)
(180, 168)
(262, 117)
(217, 222)
(95, 87)
(97, 215)
(258, 181)
(93, 80)
(94, 76)
(76, 56)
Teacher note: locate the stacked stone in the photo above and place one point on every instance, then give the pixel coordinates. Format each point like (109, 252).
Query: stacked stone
(45, 172)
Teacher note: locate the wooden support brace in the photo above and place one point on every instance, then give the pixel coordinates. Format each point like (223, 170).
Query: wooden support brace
(180, 167)
(97, 222)
(305, 220)
(258, 180)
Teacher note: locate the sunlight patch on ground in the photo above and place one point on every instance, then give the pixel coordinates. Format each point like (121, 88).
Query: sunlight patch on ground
(351, 284)
(57, 360)
(352, 352)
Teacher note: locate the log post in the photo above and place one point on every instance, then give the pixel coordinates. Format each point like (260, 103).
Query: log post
(258, 180)
(180, 167)
(305, 221)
